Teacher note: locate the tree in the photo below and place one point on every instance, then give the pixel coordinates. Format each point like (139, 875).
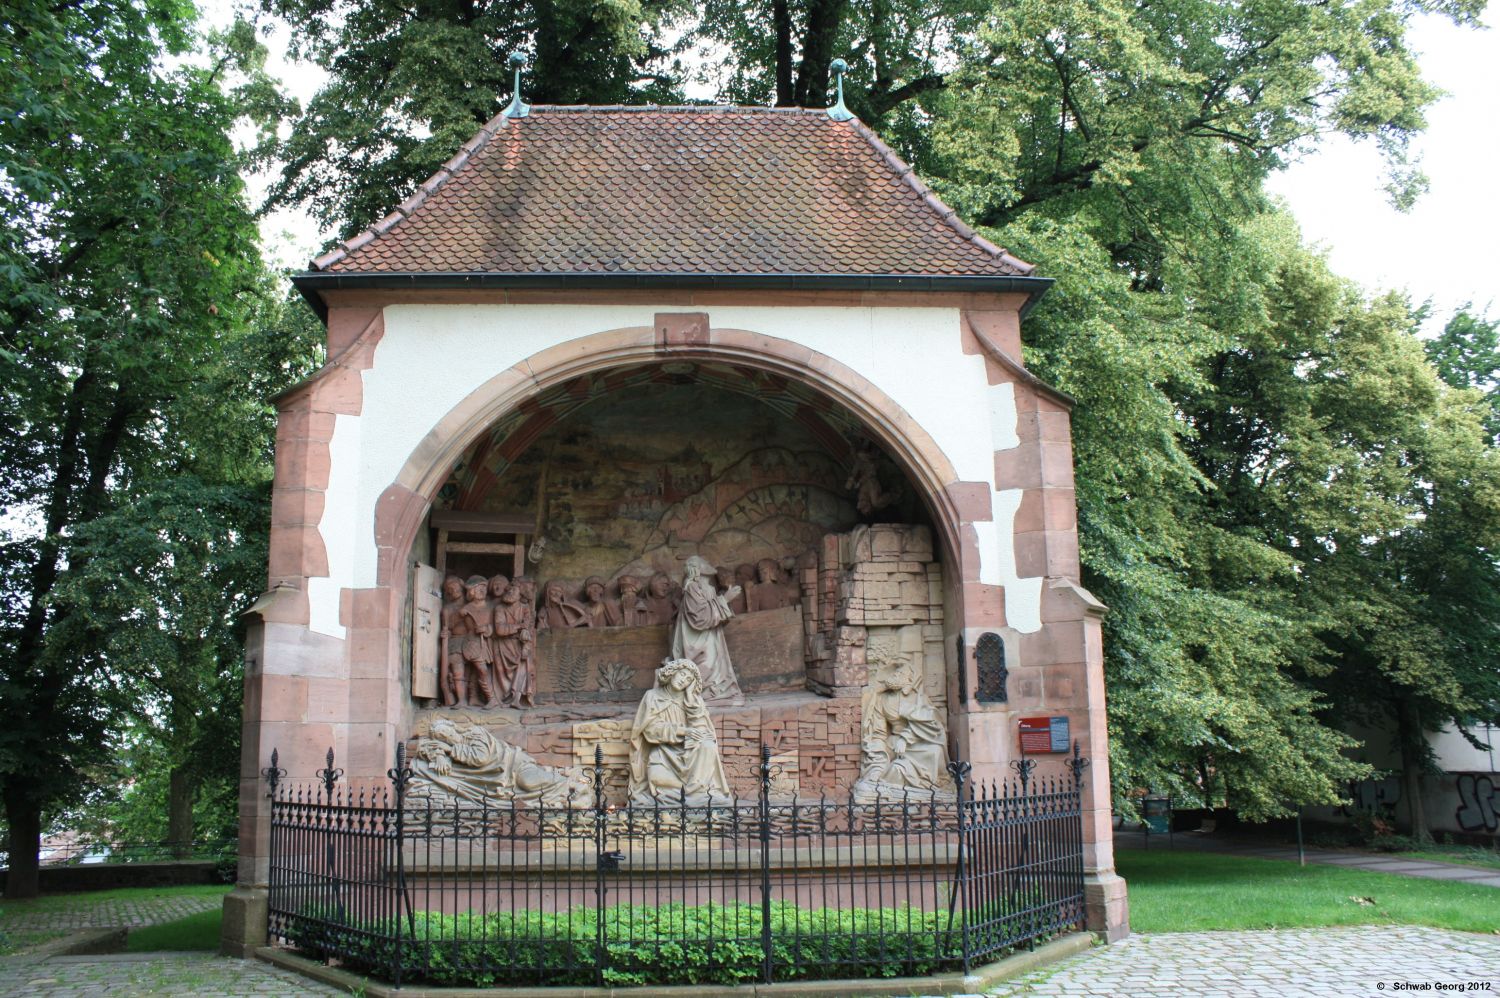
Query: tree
(1254, 439)
(410, 83)
(128, 261)
(1467, 355)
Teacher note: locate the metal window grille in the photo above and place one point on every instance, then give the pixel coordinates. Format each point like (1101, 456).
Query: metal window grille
(989, 660)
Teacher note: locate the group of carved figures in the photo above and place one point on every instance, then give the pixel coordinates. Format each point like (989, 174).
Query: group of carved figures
(487, 642)
(674, 750)
(766, 585)
(487, 654)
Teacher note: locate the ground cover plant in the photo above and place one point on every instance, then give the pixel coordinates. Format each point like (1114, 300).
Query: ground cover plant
(1191, 892)
(669, 944)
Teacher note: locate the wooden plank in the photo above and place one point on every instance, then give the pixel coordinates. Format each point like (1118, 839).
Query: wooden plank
(466, 522)
(426, 612)
(520, 566)
(477, 547)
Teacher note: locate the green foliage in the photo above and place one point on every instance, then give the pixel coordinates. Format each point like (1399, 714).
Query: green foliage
(669, 944)
(410, 84)
(136, 462)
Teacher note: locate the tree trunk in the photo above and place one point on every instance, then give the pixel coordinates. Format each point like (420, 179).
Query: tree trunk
(180, 812)
(24, 819)
(785, 96)
(1411, 737)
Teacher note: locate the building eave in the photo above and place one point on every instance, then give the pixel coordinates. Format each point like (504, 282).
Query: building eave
(313, 284)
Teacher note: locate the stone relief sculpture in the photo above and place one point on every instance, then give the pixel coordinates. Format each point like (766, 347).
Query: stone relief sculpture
(659, 601)
(468, 765)
(674, 753)
(767, 593)
(864, 481)
(599, 609)
(450, 659)
(514, 647)
(699, 632)
(903, 740)
(559, 611)
(633, 609)
(475, 647)
(724, 581)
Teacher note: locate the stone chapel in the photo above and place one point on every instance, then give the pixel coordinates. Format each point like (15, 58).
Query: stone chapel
(604, 344)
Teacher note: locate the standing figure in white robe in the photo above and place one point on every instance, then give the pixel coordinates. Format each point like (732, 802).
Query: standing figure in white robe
(699, 632)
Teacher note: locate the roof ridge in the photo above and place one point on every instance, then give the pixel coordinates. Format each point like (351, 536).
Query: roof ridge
(909, 176)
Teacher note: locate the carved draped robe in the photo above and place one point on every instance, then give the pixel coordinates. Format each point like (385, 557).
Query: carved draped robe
(699, 636)
(484, 769)
(674, 754)
(921, 767)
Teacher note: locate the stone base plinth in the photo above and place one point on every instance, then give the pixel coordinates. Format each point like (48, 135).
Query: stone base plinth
(245, 915)
(1108, 909)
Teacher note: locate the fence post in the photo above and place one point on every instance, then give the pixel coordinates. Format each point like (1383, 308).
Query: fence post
(959, 770)
(765, 861)
(399, 775)
(601, 948)
(273, 775)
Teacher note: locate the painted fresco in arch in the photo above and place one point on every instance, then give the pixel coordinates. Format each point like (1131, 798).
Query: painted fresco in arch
(635, 471)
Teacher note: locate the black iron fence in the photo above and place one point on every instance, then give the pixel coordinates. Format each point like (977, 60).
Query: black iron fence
(408, 889)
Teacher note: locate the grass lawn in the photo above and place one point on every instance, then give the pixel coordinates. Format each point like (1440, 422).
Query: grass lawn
(1191, 892)
(195, 932)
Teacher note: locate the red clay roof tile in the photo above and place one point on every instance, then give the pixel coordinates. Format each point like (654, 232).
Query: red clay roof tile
(673, 190)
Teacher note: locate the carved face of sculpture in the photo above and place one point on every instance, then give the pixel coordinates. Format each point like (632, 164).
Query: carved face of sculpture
(594, 589)
(453, 589)
(478, 589)
(554, 592)
(512, 594)
(629, 585)
(900, 678)
(444, 730)
(765, 570)
(497, 586)
(724, 577)
(744, 573)
(660, 585)
(679, 674)
(528, 588)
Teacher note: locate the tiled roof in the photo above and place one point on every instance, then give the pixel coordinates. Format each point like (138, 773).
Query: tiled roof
(673, 190)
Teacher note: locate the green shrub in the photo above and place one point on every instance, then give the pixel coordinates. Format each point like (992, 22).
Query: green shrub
(666, 944)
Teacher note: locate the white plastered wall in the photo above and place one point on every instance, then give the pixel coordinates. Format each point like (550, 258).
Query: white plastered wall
(433, 356)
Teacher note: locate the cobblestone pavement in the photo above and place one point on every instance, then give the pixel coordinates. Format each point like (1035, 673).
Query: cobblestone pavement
(189, 974)
(85, 911)
(1348, 960)
(1363, 961)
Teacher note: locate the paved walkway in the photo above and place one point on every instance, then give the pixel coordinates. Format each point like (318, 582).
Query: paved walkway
(198, 975)
(1406, 866)
(87, 911)
(1345, 961)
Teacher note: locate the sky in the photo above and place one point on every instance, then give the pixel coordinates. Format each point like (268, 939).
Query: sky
(1446, 248)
